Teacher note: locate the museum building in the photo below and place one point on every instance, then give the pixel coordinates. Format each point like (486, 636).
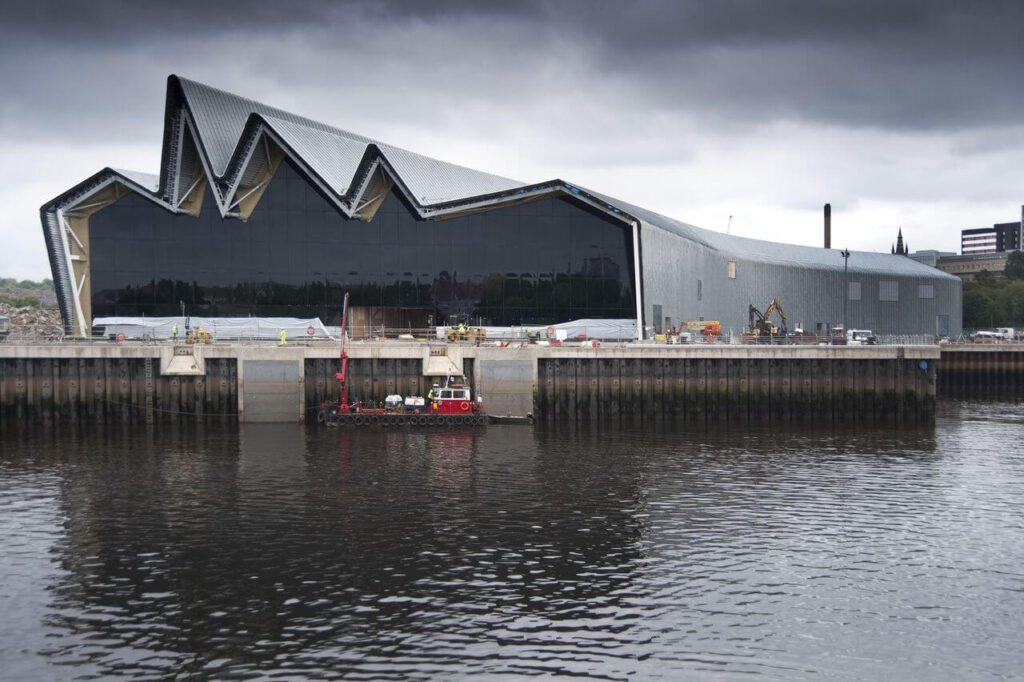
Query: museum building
(259, 212)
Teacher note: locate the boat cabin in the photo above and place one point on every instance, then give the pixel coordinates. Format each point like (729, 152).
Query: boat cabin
(452, 399)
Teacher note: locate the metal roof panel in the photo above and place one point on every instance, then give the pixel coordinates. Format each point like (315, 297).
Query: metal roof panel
(777, 252)
(148, 181)
(332, 156)
(332, 153)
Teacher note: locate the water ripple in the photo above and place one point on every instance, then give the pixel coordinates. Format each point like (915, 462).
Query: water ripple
(282, 551)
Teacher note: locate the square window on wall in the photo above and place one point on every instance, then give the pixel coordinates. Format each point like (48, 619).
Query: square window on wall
(732, 269)
(853, 291)
(926, 291)
(888, 291)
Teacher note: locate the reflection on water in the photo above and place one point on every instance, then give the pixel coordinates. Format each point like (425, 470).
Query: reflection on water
(513, 551)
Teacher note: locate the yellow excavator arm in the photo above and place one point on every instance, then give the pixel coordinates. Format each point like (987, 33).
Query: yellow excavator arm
(776, 307)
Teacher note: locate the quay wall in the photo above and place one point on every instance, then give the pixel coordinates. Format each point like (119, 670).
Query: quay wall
(734, 388)
(138, 382)
(108, 389)
(982, 371)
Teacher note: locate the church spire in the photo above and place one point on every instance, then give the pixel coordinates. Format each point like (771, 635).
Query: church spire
(900, 249)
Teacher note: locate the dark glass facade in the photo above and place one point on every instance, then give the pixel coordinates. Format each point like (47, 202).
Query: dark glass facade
(546, 261)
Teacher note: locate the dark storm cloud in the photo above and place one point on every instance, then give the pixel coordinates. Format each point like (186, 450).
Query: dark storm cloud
(873, 63)
(762, 109)
(131, 21)
(877, 63)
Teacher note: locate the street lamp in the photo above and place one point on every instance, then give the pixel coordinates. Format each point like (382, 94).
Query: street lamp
(845, 253)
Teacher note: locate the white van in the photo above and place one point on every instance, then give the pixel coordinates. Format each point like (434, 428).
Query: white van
(860, 337)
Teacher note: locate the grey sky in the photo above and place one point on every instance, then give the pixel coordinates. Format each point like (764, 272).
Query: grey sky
(899, 113)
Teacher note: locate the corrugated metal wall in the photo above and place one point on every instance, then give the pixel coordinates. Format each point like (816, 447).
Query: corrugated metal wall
(690, 281)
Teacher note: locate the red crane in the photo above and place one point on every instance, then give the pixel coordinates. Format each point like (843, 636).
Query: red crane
(340, 376)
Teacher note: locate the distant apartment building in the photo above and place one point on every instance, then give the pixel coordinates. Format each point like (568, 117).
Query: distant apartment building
(981, 250)
(999, 238)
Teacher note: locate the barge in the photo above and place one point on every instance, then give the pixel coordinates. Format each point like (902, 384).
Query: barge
(448, 405)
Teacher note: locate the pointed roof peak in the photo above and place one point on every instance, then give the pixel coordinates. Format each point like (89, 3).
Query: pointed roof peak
(220, 118)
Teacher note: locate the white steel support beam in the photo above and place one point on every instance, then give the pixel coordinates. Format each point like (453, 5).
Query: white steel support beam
(366, 203)
(185, 196)
(67, 226)
(244, 196)
(366, 184)
(637, 277)
(179, 143)
(79, 315)
(95, 204)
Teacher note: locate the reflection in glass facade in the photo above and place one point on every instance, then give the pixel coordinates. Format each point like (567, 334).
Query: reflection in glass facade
(546, 261)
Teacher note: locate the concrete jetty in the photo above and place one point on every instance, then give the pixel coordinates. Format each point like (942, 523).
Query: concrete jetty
(139, 382)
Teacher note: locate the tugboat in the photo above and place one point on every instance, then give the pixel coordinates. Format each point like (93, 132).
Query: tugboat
(448, 405)
(452, 405)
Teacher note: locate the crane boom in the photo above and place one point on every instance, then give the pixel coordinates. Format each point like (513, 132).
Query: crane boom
(776, 307)
(340, 376)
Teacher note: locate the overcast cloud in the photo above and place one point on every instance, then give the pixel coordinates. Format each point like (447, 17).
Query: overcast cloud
(899, 113)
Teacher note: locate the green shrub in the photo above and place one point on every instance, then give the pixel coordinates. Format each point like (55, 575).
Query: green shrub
(20, 301)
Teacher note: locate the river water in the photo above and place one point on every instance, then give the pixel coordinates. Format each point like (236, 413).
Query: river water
(295, 552)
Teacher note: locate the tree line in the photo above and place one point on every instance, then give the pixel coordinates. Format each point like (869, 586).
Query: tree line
(992, 301)
(11, 283)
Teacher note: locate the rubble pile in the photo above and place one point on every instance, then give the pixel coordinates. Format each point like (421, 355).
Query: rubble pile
(33, 324)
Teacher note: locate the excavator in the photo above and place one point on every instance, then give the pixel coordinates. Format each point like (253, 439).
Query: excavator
(762, 328)
(464, 333)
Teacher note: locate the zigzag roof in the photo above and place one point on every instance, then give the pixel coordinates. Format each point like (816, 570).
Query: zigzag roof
(333, 154)
(228, 130)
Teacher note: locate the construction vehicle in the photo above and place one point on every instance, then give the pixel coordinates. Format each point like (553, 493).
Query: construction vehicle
(711, 329)
(472, 334)
(5, 327)
(199, 335)
(762, 329)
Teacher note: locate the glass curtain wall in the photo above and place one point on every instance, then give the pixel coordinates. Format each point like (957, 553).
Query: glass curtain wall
(537, 263)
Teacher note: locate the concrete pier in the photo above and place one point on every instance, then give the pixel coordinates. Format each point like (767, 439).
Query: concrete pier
(721, 384)
(982, 371)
